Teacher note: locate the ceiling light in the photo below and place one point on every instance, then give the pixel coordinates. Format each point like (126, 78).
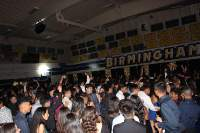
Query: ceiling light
(43, 70)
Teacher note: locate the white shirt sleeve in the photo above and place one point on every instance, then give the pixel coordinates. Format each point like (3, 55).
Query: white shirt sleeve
(120, 95)
(117, 120)
(136, 119)
(33, 110)
(10, 117)
(146, 101)
(83, 88)
(88, 79)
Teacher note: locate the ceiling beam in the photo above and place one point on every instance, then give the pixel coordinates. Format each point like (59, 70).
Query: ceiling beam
(53, 6)
(129, 9)
(60, 18)
(47, 10)
(123, 11)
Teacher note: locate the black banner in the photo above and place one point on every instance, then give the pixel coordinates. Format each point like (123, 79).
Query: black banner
(158, 55)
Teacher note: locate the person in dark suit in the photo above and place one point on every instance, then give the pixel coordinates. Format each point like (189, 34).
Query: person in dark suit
(129, 125)
(190, 112)
(169, 111)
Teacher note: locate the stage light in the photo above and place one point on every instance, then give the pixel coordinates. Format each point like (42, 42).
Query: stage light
(43, 70)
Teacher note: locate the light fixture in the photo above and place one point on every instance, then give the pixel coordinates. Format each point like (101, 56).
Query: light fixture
(43, 70)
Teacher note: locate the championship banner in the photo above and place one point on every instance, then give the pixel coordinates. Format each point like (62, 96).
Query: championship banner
(158, 55)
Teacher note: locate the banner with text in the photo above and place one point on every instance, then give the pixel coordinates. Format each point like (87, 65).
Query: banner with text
(158, 55)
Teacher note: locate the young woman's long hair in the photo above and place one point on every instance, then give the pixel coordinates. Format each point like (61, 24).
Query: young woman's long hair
(62, 118)
(78, 106)
(138, 108)
(89, 120)
(72, 125)
(38, 119)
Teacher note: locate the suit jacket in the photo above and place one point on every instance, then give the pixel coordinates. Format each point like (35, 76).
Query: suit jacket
(21, 122)
(129, 126)
(190, 114)
(170, 115)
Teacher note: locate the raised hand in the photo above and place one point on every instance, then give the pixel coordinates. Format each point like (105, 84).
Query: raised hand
(59, 88)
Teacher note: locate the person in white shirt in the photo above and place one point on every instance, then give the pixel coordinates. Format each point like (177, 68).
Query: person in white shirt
(145, 98)
(121, 92)
(37, 104)
(88, 80)
(66, 98)
(5, 113)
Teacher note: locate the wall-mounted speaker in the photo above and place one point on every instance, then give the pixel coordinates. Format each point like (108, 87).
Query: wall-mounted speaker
(40, 27)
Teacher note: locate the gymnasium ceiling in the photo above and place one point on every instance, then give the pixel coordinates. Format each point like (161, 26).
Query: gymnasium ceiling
(18, 17)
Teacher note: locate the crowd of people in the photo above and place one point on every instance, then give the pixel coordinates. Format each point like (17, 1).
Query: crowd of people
(168, 104)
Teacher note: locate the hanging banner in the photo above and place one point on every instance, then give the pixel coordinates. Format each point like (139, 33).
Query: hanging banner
(127, 72)
(108, 73)
(158, 55)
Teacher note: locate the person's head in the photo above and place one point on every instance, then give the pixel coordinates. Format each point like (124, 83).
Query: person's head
(38, 95)
(174, 94)
(101, 89)
(126, 108)
(116, 85)
(67, 93)
(146, 88)
(187, 93)
(134, 89)
(72, 125)
(76, 91)
(40, 116)
(177, 82)
(169, 87)
(154, 99)
(108, 88)
(78, 106)
(13, 99)
(160, 89)
(32, 94)
(9, 128)
(77, 88)
(1, 103)
(51, 91)
(25, 105)
(113, 107)
(124, 88)
(62, 119)
(45, 101)
(89, 120)
(89, 88)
